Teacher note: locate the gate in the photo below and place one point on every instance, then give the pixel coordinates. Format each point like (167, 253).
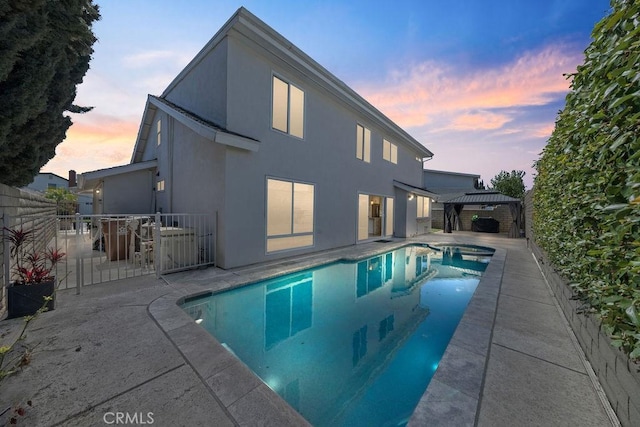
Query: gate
(103, 248)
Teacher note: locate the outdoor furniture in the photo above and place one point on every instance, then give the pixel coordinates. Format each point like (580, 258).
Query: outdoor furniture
(485, 225)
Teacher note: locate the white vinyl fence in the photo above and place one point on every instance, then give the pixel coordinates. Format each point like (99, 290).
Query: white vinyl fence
(103, 248)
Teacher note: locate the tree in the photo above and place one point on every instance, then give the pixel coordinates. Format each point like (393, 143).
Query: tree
(45, 49)
(66, 201)
(509, 184)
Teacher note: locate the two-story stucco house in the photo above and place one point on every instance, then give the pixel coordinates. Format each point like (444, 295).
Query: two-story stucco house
(289, 157)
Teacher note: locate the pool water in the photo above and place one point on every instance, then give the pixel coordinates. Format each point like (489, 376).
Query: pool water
(349, 344)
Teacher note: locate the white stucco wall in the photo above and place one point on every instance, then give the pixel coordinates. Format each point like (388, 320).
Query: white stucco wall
(232, 86)
(325, 157)
(203, 91)
(129, 193)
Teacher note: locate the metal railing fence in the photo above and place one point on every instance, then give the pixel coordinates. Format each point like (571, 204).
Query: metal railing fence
(103, 248)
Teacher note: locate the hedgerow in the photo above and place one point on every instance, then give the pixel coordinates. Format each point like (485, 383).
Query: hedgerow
(587, 190)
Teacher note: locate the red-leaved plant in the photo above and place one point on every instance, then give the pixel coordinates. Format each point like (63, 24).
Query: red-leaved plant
(31, 266)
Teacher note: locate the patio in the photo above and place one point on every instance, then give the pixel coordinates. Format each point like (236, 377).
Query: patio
(124, 347)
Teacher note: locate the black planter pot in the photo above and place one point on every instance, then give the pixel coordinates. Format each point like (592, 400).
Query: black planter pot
(26, 300)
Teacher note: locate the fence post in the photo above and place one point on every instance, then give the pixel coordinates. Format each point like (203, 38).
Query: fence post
(79, 272)
(156, 245)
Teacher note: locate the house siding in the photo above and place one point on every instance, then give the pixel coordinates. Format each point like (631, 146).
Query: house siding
(325, 157)
(127, 193)
(203, 90)
(229, 85)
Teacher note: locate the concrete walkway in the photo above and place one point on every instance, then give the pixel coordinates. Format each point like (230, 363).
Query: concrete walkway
(125, 348)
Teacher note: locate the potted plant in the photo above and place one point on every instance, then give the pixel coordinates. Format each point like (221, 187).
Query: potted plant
(474, 221)
(32, 281)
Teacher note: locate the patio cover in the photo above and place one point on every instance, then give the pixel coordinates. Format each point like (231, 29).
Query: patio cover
(453, 208)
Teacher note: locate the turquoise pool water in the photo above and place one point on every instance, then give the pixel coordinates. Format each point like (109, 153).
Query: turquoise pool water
(350, 344)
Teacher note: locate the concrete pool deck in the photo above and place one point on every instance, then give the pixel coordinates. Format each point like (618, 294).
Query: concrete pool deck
(126, 348)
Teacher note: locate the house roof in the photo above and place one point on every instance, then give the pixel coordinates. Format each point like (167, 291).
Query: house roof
(194, 122)
(53, 174)
(89, 180)
(482, 198)
(247, 25)
(413, 189)
(433, 171)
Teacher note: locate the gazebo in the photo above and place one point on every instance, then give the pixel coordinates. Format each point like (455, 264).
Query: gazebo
(453, 208)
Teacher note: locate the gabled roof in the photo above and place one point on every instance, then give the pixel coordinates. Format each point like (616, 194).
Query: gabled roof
(482, 198)
(194, 122)
(89, 180)
(53, 174)
(247, 25)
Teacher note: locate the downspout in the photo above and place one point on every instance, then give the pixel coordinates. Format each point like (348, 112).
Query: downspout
(169, 182)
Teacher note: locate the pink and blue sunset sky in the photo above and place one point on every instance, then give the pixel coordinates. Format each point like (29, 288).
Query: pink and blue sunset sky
(479, 83)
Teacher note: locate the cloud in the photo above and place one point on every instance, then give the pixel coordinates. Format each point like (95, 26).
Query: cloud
(443, 96)
(154, 57)
(479, 120)
(95, 141)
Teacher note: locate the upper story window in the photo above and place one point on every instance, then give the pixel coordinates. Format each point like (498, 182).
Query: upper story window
(287, 108)
(160, 185)
(363, 143)
(389, 151)
(159, 131)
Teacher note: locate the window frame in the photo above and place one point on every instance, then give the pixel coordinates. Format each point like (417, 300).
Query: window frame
(389, 151)
(420, 213)
(288, 108)
(363, 143)
(292, 218)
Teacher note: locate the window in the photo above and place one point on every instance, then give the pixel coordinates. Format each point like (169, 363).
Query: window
(389, 152)
(359, 344)
(423, 207)
(288, 308)
(160, 186)
(363, 143)
(159, 131)
(368, 276)
(386, 326)
(287, 108)
(388, 230)
(289, 214)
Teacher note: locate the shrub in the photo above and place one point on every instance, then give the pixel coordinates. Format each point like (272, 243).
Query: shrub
(587, 191)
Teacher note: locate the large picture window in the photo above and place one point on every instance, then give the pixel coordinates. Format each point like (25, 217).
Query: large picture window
(363, 143)
(424, 204)
(289, 214)
(288, 108)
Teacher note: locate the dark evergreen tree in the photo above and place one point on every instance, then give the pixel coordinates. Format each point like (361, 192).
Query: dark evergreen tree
(45, 49)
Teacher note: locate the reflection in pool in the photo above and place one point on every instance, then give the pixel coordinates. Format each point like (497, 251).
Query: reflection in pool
(348, 343)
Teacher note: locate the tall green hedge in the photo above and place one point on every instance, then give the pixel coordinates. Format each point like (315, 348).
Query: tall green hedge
(587, 191)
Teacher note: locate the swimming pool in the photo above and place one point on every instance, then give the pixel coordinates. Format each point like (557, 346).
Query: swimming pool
(350, 343)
